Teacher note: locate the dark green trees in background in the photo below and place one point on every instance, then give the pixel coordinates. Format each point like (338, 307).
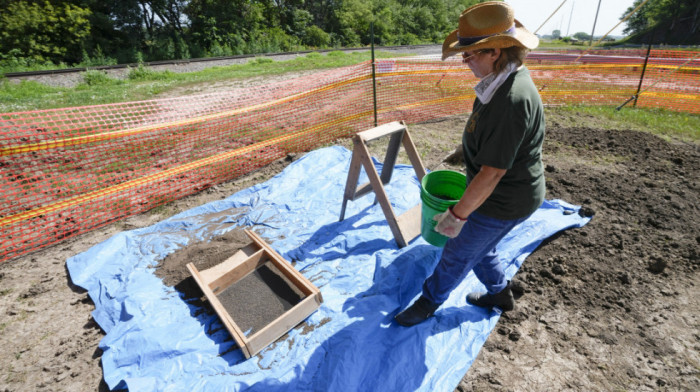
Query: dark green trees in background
(93, 32)
(220, 27)
(581, 36)
(43, 31)
(675, 22)
(402, 22)
(90, 32)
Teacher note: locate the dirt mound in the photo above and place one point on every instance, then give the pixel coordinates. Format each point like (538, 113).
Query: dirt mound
(173, 268)
(614, 305)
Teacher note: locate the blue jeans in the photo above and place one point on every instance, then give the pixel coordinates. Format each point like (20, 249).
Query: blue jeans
(474, 248)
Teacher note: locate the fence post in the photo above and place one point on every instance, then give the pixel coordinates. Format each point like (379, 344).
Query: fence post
(374, 75)
(646, 60)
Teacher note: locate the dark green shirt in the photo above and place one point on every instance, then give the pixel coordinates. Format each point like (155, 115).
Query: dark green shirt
(507, 133)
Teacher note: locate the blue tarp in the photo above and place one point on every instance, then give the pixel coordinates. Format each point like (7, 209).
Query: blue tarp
(155, 340)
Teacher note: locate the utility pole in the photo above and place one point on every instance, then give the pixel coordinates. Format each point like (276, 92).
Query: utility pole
(570, 16)
(594, 22)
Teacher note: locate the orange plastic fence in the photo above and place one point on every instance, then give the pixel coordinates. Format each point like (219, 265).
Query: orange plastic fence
(66, 171)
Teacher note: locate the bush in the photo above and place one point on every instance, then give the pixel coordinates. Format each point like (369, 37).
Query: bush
(145, 73)
(407, 39)
(218, 50)
(350, 38)
(316, 37)
(97, 60)
(44, 31)
(261, 60)
(13, 61)
(97, 78)
(138, 57)
(272, 41)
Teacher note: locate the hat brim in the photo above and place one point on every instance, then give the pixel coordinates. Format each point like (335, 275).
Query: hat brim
(522, 38)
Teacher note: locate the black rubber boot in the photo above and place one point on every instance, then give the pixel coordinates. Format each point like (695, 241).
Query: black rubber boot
(503, 299)
(416, 313)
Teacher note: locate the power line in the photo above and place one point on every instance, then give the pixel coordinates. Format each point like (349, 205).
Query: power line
(550, 17)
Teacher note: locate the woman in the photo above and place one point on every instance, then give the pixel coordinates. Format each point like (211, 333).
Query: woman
(502, 145)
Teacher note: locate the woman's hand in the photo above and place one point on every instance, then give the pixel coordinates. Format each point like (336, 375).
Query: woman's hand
(449, 224)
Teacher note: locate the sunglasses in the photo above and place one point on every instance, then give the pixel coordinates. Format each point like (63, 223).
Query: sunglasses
(466, 56)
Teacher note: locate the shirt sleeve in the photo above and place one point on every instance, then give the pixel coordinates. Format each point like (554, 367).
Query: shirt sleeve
(502, 136)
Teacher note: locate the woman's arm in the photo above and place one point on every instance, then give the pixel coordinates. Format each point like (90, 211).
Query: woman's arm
(479, 189)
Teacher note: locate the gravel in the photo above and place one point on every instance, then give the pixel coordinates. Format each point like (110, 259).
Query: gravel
(72, 79)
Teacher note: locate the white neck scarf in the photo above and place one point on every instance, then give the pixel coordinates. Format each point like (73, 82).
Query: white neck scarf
(491, 82)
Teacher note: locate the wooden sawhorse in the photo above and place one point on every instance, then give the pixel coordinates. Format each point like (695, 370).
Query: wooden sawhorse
(406, 226)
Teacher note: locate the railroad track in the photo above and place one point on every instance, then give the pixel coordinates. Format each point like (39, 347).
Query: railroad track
(233, 59)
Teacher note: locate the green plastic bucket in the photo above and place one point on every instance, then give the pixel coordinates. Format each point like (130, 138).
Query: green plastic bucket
(439, 190)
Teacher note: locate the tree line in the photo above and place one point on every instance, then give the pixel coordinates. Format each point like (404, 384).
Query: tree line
(674, 22)
(74, 32)
(126, 31)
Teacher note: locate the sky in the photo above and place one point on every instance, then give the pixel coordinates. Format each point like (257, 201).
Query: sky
(532, 13)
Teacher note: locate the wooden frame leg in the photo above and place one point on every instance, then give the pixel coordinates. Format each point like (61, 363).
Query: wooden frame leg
(406, 226)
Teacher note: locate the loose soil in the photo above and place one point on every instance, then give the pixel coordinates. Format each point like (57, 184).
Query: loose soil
(173, 268)
(259, 298)
(610, 306)
(253, 301)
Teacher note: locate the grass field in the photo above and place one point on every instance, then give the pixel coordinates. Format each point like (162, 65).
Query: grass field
(144, 83)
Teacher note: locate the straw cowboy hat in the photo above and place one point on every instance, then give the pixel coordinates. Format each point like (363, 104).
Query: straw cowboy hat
(488, 25)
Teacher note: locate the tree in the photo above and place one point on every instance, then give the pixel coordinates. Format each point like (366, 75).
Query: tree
(581, 36)
(44, 32)
(116, 28)
(231, 25)
(673, 21)
(316, 37)
(556, 34)
(147, 30)
(323, 12)
(355, 17)
(399, 21)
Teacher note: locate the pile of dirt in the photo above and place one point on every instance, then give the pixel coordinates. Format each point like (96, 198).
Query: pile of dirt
(253, 302)
(610, 306)
(205, 254)
(613, 305)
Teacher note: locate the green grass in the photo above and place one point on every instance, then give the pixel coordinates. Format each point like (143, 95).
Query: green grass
(549, 44)
(665, 123)
(145, 83)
